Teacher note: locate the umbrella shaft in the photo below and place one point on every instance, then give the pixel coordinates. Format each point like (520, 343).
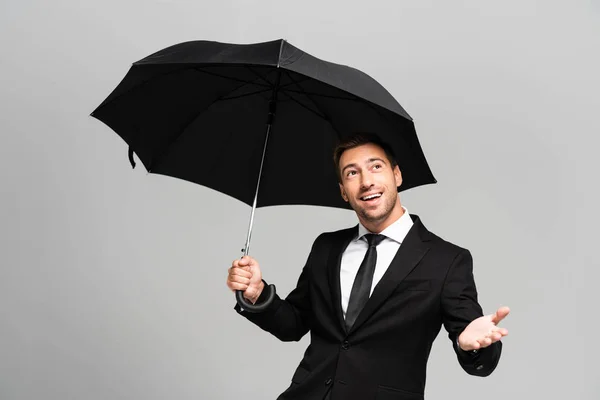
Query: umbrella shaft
(272, 107)
(247, 246)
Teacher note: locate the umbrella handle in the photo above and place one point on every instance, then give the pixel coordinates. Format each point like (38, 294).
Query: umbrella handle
(246, 305)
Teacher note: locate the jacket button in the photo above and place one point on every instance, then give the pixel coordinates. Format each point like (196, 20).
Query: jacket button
(345, 345)
(328, 382)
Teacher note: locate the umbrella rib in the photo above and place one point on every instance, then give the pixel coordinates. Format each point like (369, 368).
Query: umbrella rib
(304, 78)
(356, 98)
(317, 113)
(360, 100)
(167, 73)
(325, 117)
(244, 95)
(199, 69)
(259, 75)
(353, 98)
(296, 83)
(165, 152)
(374, 107)
(302, 91)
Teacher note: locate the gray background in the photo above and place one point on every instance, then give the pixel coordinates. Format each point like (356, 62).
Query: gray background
(112, 281)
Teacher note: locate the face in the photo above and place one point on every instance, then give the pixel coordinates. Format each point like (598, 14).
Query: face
(369, 184)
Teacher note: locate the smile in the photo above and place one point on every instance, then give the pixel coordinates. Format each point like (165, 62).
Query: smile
(371, 196)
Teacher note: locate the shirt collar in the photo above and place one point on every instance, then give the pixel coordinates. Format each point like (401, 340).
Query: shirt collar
(397, 231)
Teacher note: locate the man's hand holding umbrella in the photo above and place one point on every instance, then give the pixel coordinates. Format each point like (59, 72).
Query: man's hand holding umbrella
(244, 274)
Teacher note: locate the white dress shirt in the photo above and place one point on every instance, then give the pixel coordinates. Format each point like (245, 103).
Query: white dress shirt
(386, 250)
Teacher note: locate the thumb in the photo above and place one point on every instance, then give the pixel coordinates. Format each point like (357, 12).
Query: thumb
(246, 261)
(500, 314)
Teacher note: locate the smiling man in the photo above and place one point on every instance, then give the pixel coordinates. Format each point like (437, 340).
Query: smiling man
(375, 296)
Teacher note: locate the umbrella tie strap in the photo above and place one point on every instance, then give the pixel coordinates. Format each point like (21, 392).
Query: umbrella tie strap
(131, 160)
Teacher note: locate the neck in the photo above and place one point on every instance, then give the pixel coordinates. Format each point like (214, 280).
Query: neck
(380, 225)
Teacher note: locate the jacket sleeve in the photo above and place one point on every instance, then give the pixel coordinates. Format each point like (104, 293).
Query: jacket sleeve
(287, 319)
(459, 307)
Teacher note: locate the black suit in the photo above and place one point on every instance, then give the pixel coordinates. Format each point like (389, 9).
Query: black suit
(384, 355)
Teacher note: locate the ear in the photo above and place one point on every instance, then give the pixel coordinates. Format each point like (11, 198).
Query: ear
(343, 193)
(398, 176)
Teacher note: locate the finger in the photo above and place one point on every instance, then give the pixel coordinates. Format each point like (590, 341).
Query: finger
(485, 342)
(236, 264)
(500, 314)
(237, 286)
(470, 345)
(496, 330)
(476, 345)
(239, 279)
(239, 271)
(246, 261)
(502, 331)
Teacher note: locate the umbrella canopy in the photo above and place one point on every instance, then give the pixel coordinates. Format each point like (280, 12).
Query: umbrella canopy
(197, 111)
(231, 116)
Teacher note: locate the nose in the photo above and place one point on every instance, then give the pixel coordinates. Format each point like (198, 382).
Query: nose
(366, 181)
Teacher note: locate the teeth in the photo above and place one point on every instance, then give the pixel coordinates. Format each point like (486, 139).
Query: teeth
(372, 196)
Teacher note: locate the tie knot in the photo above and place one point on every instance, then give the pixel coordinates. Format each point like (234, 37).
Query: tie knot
(374, 239)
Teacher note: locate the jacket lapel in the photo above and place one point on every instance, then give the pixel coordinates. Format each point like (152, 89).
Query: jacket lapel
(411, 251)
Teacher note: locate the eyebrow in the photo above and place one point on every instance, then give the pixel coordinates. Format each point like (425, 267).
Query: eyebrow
(376, 159)
(370, 160)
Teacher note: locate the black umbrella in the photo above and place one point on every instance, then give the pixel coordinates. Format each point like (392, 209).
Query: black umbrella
(231, 116)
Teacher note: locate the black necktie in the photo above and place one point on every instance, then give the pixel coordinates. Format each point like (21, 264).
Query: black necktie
(361, 289)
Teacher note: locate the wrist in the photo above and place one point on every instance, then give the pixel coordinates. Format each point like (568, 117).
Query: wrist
(259, 291)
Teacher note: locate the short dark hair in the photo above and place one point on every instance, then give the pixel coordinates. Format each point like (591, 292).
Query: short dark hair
(359, 139)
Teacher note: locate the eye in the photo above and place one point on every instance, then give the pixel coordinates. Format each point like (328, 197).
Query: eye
(377, 166)
(350, 173)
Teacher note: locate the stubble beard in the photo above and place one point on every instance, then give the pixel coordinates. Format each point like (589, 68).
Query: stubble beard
(376, 216)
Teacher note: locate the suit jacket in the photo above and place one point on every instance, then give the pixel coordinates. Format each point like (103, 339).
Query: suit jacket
(429, 283)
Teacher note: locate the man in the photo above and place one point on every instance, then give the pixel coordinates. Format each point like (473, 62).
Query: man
(374, 297)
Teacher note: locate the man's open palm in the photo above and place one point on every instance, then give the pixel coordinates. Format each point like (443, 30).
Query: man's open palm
(483, 331)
